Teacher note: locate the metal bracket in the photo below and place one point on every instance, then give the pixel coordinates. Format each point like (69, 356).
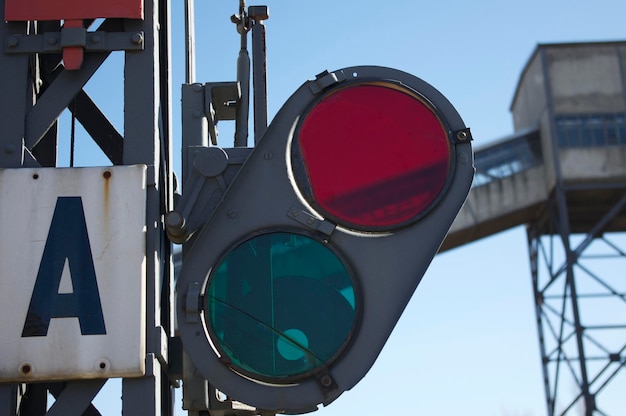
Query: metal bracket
(213, 170)
(54, 42)
(221, 405)
(308, 219)
(220, 100)
(325, 381)
(175, 359)
(73, 36)
(192, 302)
(325, 80)
(160, 345)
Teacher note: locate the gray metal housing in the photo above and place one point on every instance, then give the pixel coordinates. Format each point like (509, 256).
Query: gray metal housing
(387, 266)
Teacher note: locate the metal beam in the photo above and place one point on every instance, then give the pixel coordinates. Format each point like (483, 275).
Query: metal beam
(75, 398)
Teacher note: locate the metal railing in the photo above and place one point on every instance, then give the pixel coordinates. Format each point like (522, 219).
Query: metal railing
(510, 156)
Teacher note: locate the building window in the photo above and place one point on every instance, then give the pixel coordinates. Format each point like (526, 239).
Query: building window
(517, 154)
(591, 130)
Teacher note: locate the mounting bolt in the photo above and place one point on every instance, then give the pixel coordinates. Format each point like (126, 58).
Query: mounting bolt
(463, 135)
(96, 39)
(13, 41)
(136, 38)
(326, 381)
(175, 223)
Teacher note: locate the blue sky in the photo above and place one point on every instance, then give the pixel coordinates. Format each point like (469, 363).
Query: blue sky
(467, 341)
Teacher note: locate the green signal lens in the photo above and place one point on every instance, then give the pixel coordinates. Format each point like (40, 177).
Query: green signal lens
(280, 305)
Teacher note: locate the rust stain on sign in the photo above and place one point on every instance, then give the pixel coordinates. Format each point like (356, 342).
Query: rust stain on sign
(106, 203)
(107, 189)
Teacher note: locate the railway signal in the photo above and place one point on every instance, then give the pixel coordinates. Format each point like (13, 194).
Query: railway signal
(291, 288)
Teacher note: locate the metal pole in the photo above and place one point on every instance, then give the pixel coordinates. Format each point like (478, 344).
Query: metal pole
(259, 69)
(145, 143)
(243, 77)
(190, 42)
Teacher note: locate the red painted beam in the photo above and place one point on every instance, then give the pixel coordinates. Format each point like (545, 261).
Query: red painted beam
(73, 55)
(23, 10)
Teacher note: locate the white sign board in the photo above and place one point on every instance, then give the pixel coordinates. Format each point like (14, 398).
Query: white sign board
(72, 273)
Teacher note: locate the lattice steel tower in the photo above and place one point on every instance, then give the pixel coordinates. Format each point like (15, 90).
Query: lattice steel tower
(575, 94)
(563, 174)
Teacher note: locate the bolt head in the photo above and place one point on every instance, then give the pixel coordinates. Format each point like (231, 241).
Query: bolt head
(326, 381)
(136, 38)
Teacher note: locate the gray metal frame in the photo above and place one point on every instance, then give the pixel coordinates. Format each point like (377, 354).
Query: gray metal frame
(36, 90)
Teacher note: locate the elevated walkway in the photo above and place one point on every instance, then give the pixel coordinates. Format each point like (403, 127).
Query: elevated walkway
(513, 185)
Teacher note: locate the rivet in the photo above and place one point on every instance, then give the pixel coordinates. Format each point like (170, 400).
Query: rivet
(268, 155)
(462, 135)
(13, 41)
(52, 40)
(197, 87)
(197, 114)
(95, 39)
(9, 148)
(232, 214)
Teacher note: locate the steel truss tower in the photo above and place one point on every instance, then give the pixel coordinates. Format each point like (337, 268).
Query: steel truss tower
(576, 236)
(36, 89)
(579, 283)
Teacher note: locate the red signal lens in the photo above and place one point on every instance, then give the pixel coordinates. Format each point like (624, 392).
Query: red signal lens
(375, 156)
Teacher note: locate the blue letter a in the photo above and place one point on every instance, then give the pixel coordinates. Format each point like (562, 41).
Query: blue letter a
(67, 240)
